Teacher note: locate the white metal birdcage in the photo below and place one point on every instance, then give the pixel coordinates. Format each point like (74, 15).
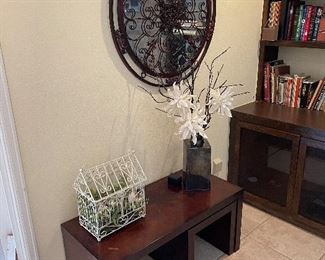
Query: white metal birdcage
(111, 195)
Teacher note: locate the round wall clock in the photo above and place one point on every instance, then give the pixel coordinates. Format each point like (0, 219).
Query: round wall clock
(162, 41)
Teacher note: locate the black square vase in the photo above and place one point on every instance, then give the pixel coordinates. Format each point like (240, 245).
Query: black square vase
(196, 166)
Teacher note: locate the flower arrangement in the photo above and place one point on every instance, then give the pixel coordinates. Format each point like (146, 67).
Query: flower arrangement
(193, 112)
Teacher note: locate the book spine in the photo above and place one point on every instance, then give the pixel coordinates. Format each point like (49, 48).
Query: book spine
(292, 93)
(304, 94)
(315, 95)
(303, 23)
(295, 23)
(319, 98)
(319, 14)
(290, 21)
(310, 95)
(312, 23)
(288, 92)
(283, 18)
(307, 22)
(321, 102)
(267, 82)
(299, 92)
(272, 85)
(299, 22)
(281, 86)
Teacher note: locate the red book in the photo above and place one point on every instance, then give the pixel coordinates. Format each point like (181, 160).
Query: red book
(287, 95)
(321, 31)
(291, 20)
(309, 12)
(297, 89)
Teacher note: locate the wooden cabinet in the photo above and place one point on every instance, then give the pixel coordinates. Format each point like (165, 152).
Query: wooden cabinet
(277, 153)
(278, 156)
(310, 184)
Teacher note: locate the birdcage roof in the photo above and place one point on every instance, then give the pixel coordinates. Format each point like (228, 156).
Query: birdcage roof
(109, 178)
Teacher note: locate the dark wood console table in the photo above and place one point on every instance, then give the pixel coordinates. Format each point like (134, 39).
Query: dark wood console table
(167, 232)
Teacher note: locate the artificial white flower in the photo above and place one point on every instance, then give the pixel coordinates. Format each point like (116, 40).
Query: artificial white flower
(132, 196)
(221, 102)
(180, 101)
(192, 123)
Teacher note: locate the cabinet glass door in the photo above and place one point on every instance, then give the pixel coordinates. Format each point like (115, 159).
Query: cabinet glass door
(312, 191)
(266, 163)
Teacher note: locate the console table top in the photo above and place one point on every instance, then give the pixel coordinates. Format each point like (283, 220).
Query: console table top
(169, 213)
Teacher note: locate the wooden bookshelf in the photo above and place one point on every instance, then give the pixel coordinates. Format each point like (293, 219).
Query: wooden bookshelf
(261, 126)
(269, 50)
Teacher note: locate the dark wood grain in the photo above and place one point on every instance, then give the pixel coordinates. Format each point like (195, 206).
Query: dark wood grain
(169, 214)
(304, 122)
(308, 127)
(303, 127)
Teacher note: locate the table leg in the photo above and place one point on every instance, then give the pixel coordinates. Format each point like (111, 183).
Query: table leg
(220, 230)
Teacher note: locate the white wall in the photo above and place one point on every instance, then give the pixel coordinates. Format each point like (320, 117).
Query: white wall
(76, 105)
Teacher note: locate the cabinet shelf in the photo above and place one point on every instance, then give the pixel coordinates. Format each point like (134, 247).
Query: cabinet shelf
(294, 44)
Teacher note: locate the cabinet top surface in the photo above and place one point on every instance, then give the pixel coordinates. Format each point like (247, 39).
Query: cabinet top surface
(302, 118)
(169, 213)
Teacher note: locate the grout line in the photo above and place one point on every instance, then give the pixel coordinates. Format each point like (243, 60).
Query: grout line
(322, 257)
(255, 228)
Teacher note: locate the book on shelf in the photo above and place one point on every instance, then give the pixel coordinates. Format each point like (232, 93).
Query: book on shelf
(308, 88)
(321, 30)
(296, 91)
(269, 79)
(316, 95)
(322, 107)
(312, 23)
(277, 89)
(289, 20)
(319, 14)
(301, 22)
(306, 30)
(284, 17)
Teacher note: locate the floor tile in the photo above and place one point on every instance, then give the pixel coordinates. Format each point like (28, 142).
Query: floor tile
(323, 257)
(289, 240)
(252, 218)
(253, 250)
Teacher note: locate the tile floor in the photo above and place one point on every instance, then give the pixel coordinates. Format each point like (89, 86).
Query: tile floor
(265, 237)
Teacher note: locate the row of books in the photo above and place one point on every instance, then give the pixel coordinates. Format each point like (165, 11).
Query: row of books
(298, 91)
(301, 22)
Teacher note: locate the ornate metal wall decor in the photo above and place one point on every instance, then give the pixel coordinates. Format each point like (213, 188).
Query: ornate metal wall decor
(164, 39)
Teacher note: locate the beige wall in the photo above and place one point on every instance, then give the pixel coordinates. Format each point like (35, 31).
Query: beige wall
(76, 105)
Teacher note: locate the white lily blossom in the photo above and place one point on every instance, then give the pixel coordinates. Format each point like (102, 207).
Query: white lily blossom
(132, 196)
(221, 102)
(192, 123)
(180, 102)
